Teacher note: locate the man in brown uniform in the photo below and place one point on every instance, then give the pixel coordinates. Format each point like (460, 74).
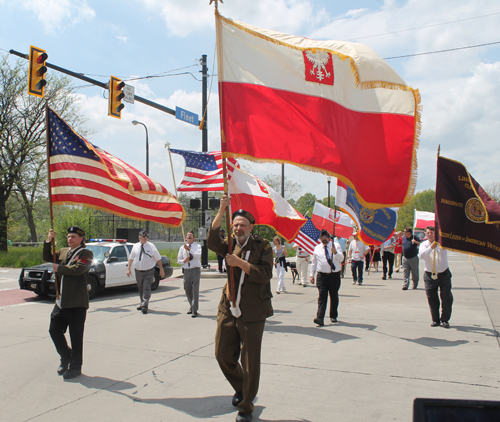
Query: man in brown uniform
(240, 329)
(72, 265)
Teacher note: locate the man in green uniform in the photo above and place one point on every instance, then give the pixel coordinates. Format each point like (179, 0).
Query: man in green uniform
(240, 327)
(72, 266)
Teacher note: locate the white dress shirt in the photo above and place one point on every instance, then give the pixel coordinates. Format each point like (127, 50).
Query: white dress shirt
(183, 254)
(147, 259)
(358, 249)
(319, 261)
(427, 254)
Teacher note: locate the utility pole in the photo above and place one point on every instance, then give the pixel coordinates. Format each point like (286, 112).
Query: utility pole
(204, 148)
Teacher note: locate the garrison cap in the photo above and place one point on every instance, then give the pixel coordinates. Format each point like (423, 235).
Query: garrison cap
(143, 233)
(324, 233)
(243, 213)
(77, 230)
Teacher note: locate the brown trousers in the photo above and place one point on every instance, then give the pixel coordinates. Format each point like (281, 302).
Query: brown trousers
(233, 338)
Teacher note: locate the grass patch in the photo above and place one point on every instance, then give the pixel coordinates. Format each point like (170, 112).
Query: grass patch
(19, 257)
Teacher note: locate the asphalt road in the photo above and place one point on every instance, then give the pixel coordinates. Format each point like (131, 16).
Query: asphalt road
(370, 366)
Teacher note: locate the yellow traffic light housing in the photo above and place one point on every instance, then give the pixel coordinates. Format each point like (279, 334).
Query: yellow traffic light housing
(37, 70)
(116, 96)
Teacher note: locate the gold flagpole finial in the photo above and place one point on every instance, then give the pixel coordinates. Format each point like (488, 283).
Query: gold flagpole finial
(167, 145)
(216, 3)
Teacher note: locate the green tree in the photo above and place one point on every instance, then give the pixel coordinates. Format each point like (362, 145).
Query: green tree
(292, 189)
(22, 136)
(421, 201)
(69, 215)
(305, 204)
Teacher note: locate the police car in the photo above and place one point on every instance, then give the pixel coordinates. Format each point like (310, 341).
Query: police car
(109, 269)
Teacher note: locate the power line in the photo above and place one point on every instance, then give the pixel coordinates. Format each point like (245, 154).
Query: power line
(441, 51)
(422, 27)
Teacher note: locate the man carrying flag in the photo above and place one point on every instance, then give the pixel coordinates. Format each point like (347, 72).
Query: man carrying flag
(240, 327)
(327, 260)
(304, 243)
(437, 276)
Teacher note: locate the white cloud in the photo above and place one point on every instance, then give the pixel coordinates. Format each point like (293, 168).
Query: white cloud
(122, 38)
(54, 14)
(186, 17)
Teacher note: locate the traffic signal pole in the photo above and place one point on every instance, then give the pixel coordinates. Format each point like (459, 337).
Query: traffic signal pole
(97, 83)
(204, 148)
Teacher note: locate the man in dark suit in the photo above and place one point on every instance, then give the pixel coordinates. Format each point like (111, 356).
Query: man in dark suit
(71, 266)
(240, 327)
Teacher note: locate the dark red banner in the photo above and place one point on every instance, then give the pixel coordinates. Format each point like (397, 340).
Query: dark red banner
(467, 218)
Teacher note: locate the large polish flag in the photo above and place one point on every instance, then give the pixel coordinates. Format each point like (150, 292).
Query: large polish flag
(266, 205)
(422, 219)
(324, 218)
(328, 106)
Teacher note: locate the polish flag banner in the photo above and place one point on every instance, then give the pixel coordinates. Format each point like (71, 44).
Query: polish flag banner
(266, 205)
(332, 107)
(323, 218)
(422, 219)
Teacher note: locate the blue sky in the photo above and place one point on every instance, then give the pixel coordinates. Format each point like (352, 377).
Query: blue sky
(137, 38)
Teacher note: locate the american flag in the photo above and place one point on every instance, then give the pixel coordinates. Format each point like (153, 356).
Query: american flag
(204, 170)
(308, 236)
(84, 174)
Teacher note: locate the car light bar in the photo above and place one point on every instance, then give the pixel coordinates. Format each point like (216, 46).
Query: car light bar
(109, 240)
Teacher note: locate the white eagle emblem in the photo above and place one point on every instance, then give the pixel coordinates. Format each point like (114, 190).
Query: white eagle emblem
(319, 61)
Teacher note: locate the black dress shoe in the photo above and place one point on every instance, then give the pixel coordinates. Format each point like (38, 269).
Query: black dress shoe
(383, 277)
(333, 319)
(195, 315)
(243, 417)
(139, 308)
(237, 398)
(72, 373)
(189, 312)
(63, 367)
(144, 310)
(446, 324)
(435, 324)
(319, 322)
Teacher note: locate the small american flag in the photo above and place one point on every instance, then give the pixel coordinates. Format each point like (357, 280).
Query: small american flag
(204, 170)
(308, 236)
(84, 174)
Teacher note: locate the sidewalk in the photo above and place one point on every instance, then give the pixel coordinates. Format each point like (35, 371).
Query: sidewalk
(161, 367)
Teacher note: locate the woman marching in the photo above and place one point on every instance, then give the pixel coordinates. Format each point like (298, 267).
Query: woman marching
(280, 253)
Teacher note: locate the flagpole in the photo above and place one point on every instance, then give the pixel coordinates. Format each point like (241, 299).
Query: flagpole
(230, 273)
(47, 134)
(167, 145)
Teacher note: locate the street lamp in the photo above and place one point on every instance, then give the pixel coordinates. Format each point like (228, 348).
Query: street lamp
(329, 180)
(135, 122)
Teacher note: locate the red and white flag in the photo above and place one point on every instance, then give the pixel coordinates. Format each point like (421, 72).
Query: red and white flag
(329, 106)
(422, 219)
(323, 219)
(84, 174)
(266, 205)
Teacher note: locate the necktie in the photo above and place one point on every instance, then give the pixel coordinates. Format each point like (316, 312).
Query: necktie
(332, 266)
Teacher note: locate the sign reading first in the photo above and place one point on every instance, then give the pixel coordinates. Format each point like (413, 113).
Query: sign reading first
(37, 70)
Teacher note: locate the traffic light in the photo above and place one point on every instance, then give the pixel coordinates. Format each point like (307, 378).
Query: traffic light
(116, 96)
(37, 71)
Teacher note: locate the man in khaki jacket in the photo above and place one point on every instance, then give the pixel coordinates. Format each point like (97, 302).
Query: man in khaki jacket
(240, 328)
(71, 266)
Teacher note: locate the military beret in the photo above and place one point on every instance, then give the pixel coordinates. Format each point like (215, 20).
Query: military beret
(243, 213)
(77, 230)
(324, 233)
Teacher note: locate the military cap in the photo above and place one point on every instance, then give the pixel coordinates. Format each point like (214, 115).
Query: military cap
(243, 213)
(324, 233)
(77, 230)
(143, 233)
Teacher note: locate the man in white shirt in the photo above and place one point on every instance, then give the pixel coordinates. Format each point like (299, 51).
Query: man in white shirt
(437, 276)
(387, 251)
(356, 254)
(144, 256)
(327, 261)
(302, 263)
(189, 256)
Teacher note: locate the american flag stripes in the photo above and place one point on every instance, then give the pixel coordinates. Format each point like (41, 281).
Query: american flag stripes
(84, 174)
(204, 170)
(308, 236)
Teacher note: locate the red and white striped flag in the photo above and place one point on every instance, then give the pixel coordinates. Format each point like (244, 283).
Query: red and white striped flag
(204, 171)
(329, 106)
(308, 236)
(84, 174)
(266, 205)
